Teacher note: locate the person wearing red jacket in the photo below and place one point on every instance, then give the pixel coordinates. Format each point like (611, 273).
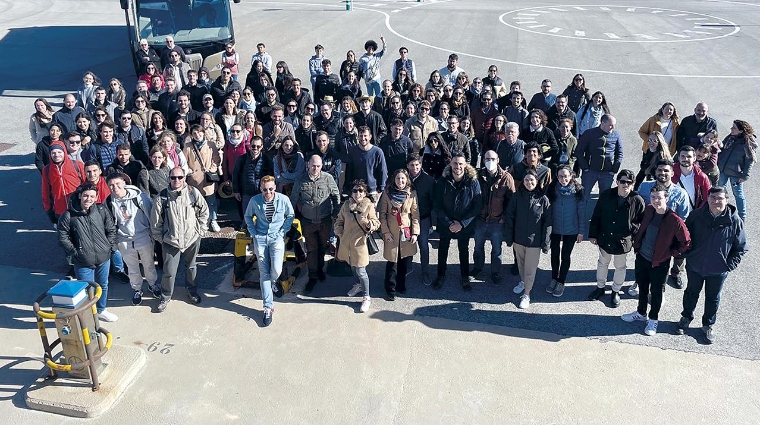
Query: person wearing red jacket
(662, 235)
(696, 183)
(60, 178)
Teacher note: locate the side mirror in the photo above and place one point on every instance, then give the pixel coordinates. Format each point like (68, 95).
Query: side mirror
(124, 4)
(236, 1)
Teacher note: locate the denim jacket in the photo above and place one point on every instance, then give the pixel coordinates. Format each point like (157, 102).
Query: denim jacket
(263, 231)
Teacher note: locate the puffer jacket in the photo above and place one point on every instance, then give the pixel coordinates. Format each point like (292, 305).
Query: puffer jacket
(717, 243)
(600, 151)
(246, 177)
(497, 190)
(410, 217)
(178, 217)
(613, 226)
(457, 142)
(568, 211)
(315, 199)
(457, 201)
(87, 236)
(528, 220)
(424, 185)
(737, 157)
(353, 237)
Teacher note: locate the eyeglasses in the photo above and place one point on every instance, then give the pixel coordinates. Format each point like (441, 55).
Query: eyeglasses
(176, 177)
(357, 190)
(235, 131)
(625, 182)
(268, 189)
(257, 146)
(139, 101)
(578, 79)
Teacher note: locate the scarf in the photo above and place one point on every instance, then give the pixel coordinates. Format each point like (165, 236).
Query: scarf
(235, 142)
(398, 196)
(568, 190)
(289, 159)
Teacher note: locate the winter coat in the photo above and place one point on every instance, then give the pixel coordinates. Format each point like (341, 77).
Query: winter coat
(211, 161)
(519, 170)
(528, 220)
(613, 226)
(59, 181)
(458, 201)
(457, 142)
(179, 217)
(544, 137)
(576, 97)
(690, 127)
(158, 180)
(36, 130)
(67, 118)
(566, 146)
(410, 217)
(600, 151)
(353, 237)
(673, 237)
(509, 154)
(247, 174)
(434, 162)
(418, 130)
(220, 92)
(554, 116)
(282, 173)
(737, 157)
(588, 117)
(496, 190)
(568, 211)
(138, 174)
(137, 141)
(88, 237)
(231, 153)
(396, 152)
(653, 124)
(717, 243)
(315, 199)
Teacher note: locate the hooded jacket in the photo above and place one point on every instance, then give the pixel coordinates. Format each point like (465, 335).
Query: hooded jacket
(59, 181)
(458, 201)
(131, 216)
(87, 236)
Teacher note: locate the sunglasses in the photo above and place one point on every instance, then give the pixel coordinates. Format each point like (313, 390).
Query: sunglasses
(257, 146)
(75, 142)
(100, 115)
(625, 182)
(227, 73)
(292, 106)
(235, 131)
(424, 109)
(126, 118)
(176, 177)
(268, 189)
(357, 190)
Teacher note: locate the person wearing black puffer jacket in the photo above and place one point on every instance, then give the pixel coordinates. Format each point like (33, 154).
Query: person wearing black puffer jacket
(528, 225)
(458, 201)
(88, 235)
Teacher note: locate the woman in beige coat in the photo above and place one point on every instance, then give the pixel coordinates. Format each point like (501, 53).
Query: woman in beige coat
(355, 220)
(400, 225)
(666, 121)
(203, 157)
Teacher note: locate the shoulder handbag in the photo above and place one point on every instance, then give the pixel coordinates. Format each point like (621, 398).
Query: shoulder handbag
(372, 247)
(210, 176)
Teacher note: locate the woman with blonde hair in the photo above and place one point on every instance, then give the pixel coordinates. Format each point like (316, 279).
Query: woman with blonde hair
(400, 226)
(116, 93)
(666, 121)
(657, 149)
(356, 221)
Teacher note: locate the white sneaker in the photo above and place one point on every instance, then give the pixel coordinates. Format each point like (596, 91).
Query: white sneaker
(633, 317)
(355, 290)
(366, 302)
(633, 290)
(214, 226)
(107, 316)
(519, 288)
(524, 301)
(651, 328)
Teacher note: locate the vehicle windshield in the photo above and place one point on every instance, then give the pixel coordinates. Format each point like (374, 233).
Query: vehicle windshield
(188, 21)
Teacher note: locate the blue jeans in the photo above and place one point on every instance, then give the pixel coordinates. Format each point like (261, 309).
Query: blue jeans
(423, 240)
(589, 178)
(99, 274)
(493, 232)
(738, 190)
(373, 87)
(117, 261)
(270, 256)
(211, 201)
(713, 285)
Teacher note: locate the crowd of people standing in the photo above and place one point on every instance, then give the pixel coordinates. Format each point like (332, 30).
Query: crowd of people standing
(129, 178)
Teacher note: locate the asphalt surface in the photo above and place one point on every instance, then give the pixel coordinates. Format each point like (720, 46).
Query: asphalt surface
(44, 57)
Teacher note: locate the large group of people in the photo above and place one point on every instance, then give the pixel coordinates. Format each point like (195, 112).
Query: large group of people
(127, 178)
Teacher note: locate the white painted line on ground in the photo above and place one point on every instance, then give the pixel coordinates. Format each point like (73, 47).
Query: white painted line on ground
(631, 9)
(718, 24)
(696, 19)
(555, 30)
(645, 36)
(580, 33)
(657, 11)
(536, 26)
(556, 9)
(541, 66)
(528, 14)
(612, 36)
(679, 14)
(698, 27)
(579, 8)
(676, 35)
(526, 22)
(541, 11)
(522, 17)
(605, 8)
(697, 32)
(396, 11)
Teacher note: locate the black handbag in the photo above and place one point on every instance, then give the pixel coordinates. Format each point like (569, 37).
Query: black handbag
(372, 247)
(210, 176)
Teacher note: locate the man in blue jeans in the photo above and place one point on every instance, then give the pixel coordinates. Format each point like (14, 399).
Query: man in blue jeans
(718, 243)
(88, 235)
(599, 155)
(273, 215)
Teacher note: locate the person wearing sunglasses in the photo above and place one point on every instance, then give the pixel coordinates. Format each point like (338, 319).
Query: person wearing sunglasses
(146, 54)
(177, 220)
(299, 95)
(133, 136)
(247, 174)
(223, 86)
(577, 93)
(268, 216)
(616, 219)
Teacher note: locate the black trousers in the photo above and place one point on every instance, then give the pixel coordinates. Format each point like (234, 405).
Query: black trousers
(316, 235)
(561, 264)
(650, 279)
(395, 274)
(463, 244)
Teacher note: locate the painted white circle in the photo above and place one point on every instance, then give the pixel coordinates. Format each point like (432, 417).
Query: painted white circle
(602, 23)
